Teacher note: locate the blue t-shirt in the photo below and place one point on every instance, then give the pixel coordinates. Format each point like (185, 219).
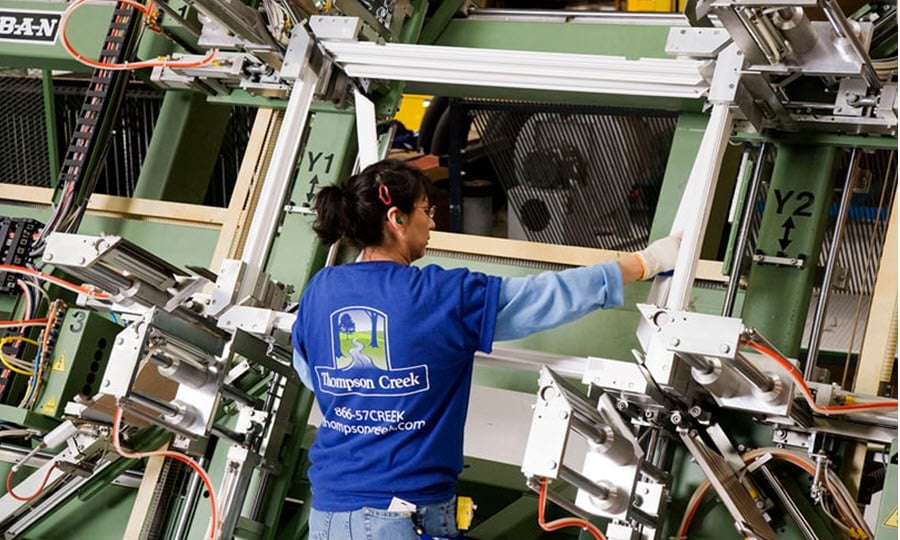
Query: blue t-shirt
(390, 351)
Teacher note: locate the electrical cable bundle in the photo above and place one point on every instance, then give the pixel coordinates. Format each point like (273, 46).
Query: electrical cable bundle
(850, 521)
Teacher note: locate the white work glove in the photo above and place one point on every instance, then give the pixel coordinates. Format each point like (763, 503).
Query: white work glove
(660, 255)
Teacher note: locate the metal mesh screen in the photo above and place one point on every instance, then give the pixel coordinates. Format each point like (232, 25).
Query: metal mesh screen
(864, 231)
(23, 132)
(231, 153)
(128, 141)
(24, 140)
(576, 176)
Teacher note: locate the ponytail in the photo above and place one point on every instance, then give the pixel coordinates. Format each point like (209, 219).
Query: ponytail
(331, 214)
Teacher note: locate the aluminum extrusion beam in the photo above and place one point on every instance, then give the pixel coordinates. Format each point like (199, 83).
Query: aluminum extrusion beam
(278, 177)
(581, 73)
(693, 211)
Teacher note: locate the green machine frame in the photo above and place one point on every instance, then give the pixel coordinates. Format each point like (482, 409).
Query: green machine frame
(168, 220)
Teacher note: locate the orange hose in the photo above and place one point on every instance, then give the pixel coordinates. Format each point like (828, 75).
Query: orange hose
(55, 280)
(26, 498)
(807, 393)
(147, 12)
(562, 522)
(705, 485)
(214, 517)
(24, 322)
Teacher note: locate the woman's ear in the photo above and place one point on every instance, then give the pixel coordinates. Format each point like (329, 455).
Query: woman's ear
(394, 216)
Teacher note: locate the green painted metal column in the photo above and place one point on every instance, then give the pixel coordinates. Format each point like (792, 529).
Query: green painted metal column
(183, 150)
(685, 143)
(793, 225)
(327, 158)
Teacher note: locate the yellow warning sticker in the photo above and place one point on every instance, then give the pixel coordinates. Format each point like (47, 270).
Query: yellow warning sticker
(60, 364)
(891, 520)
(50, 405)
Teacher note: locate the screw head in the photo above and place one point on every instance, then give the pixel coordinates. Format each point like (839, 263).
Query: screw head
(725, 348)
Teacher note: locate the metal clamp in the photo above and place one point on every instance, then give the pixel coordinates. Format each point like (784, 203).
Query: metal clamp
(798, 262)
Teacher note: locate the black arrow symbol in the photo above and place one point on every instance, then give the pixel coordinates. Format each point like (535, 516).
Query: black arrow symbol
(785, 239)
(312, 188)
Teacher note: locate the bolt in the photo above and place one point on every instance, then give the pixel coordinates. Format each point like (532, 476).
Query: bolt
(106, 382)
(80, 260)
(622, 405)
(724, 348)
(695, 411)
(675, 418)
(48, 256)
(120, 341)
(675, 342)
(563, 415)
(551, 464)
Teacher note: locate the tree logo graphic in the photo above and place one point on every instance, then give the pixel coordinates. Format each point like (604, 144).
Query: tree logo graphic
(361, 358)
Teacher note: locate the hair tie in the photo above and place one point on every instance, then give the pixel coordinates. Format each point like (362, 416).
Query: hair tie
(384, 194)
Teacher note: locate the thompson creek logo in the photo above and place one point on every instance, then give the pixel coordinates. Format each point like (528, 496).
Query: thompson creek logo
(27, 26)
(362, 363)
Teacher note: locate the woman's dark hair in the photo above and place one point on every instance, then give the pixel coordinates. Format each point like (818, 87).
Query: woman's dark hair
(356, 209)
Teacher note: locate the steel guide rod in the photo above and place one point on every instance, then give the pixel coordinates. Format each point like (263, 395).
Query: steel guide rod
(812, 350)
(744, 232)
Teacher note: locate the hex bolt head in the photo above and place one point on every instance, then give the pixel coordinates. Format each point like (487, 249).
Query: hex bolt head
(725, 348)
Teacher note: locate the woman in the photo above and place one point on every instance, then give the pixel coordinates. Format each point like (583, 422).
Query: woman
(388, 350)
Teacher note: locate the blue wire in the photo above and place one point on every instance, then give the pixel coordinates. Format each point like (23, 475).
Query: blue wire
(34, 378)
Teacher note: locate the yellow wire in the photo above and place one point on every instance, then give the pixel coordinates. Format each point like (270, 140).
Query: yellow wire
(14, 368)
(10, 339)
(6, 361)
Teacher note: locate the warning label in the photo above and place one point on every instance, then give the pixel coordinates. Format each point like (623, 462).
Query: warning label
(891, 520)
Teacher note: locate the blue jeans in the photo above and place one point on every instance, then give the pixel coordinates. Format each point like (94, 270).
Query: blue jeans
(438, 520)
